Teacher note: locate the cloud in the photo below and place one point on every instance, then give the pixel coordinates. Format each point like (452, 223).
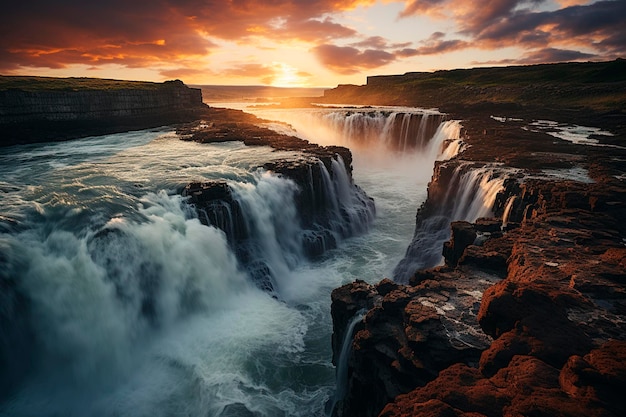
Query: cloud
(436, 44)
(54, 34)
(350, 60)
(555, 55)
(542, 56)
(163, 35)
(422, 7)
(496, 24)
(378, 42)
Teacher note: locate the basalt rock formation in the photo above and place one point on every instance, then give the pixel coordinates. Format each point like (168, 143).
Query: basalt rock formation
(527, 313)
(40, 109)
(330, 207)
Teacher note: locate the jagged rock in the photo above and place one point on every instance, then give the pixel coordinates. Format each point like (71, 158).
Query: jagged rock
(409, 334)
(217, 207)
(463, 235)
(552, 316)
(598, 377)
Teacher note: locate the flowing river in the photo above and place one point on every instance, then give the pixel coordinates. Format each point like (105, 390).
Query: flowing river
(117, 300)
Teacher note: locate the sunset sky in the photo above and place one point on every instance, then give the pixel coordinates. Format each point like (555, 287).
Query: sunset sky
(299, 43)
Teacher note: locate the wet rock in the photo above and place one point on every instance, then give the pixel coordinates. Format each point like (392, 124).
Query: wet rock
(463, 235)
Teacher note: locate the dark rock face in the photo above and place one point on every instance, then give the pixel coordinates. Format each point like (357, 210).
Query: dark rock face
(409, 334)
(329, 206)
(39, 116)
(457, 192)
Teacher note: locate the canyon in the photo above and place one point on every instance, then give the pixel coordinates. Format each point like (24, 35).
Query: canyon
(526, 314)
(510, 299)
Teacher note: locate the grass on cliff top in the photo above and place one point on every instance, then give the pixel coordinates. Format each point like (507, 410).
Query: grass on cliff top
(33, 84)
(561, 73)
(600, 86)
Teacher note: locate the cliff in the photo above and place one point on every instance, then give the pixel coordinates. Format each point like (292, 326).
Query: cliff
(527, 315)
(324, 215)
(580, 92)
(37, 109)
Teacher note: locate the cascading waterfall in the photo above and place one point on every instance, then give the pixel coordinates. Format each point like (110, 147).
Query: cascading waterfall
(344, 356)
(398, 129)
(478, 190)
(507, 211)
(273, 223)
(117, 298)
(470, 195)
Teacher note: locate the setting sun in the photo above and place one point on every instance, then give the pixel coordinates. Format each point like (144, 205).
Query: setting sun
(287, 76)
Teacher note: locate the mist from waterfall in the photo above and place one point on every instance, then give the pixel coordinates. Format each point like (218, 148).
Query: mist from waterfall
(119, 299)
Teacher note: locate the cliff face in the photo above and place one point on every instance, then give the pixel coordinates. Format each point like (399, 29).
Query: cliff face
(53, 114)
(528, 314)
(325, 215)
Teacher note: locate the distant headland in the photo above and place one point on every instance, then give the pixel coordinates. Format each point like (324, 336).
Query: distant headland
(40, 109)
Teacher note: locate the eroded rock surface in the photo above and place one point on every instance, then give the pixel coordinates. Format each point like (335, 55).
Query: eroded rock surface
(527, 317)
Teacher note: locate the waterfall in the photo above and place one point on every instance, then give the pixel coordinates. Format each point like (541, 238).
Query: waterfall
(478, 190)
(396, 129)
(471, 193)
(118, 296)
(507, 211)
(344, 356)
(273, 223)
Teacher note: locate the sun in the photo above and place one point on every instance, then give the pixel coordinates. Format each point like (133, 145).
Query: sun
(288, 76)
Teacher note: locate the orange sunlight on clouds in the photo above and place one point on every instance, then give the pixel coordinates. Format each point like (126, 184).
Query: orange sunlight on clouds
(299, 42)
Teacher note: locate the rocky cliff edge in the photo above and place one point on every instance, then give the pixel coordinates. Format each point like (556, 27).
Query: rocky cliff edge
(528, 314)
(40, 109)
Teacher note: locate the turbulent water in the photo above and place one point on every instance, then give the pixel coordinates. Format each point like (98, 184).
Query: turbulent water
(117, 300)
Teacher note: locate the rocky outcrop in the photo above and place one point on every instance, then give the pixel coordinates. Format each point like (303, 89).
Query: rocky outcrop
(526, 317)
(48, 113)
(329, 206)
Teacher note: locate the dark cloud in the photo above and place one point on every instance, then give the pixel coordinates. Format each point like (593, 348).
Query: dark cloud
(504, 23)
(436, 44)
(57, 33)
(542, 56)
(548, 55)
(349, 60)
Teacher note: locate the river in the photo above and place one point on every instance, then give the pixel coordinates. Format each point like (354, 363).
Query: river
(118, 301)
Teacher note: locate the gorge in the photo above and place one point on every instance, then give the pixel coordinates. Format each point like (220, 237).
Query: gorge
(201, 284)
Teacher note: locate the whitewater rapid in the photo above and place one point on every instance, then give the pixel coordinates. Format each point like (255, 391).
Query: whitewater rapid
(120, 301)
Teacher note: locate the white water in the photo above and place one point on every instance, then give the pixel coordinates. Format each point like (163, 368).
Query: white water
(137, 308)
(344, 356)
(477, 188)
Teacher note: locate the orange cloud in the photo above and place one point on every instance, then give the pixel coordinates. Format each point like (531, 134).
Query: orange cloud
(41, 33)
(163, 34)
(349, 60)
